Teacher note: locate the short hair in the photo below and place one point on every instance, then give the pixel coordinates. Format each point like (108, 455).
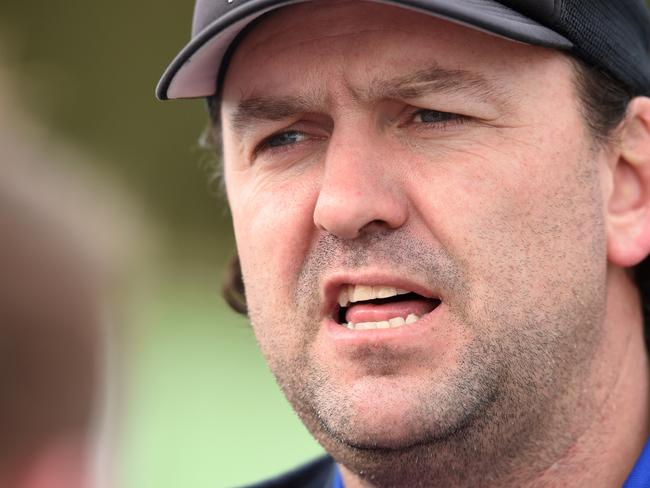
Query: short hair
(603, 103)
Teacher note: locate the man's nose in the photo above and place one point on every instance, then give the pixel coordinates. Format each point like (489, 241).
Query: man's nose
(360, 186)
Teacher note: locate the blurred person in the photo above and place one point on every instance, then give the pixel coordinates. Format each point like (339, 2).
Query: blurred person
(67, 235)
(50, 316)
(442, 215)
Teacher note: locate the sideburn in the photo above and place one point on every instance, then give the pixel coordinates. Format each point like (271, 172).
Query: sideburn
(232, 288)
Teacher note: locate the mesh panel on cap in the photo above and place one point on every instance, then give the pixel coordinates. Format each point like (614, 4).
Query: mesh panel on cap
(613, 36)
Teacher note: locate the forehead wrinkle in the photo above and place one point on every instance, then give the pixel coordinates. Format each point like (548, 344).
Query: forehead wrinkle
(318, 99)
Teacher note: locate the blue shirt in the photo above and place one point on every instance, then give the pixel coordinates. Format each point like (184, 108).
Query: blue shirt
(639, 476)
(338, 481)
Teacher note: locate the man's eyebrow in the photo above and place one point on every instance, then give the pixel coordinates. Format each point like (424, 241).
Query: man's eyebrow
(268, 108)
(431, 80)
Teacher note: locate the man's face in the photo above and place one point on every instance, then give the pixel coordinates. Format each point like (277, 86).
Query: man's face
(371, 145)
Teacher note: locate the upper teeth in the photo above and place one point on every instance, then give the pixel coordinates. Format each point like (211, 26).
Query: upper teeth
(358, 293)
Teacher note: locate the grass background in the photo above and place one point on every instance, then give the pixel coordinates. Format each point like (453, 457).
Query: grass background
(205, 411)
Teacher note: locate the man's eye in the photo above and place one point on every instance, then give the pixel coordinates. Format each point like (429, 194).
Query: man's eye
(425, 116)
(284, 139)
(287, 141)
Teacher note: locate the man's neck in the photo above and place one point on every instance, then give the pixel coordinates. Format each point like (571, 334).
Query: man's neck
(605, 453)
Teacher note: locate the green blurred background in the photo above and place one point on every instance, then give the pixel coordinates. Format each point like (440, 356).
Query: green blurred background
(198, 406)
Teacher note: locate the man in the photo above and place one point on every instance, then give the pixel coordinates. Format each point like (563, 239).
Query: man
(440, 207)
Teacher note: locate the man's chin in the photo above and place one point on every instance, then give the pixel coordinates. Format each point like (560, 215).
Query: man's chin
(391, 429)
(382, 441)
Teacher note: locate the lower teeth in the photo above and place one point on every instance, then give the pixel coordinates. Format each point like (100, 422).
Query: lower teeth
(386, 324)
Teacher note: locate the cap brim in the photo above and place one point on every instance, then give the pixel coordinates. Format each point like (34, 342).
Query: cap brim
(194, 72)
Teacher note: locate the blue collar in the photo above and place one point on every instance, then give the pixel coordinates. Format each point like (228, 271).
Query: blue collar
(338, 481)
(639, 476)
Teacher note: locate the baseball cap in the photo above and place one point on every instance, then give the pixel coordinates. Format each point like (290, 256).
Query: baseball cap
(612, 35)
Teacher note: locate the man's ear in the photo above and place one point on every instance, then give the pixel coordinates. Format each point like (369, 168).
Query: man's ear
(628, 204)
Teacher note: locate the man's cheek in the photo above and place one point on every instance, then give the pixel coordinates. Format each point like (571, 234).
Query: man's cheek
(273, 236)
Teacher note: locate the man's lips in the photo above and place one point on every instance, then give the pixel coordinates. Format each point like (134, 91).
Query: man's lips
(377, 302)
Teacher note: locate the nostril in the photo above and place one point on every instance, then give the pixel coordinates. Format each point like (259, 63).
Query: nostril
(375, 225)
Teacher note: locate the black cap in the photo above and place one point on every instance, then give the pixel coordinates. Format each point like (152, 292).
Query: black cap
(612, 35)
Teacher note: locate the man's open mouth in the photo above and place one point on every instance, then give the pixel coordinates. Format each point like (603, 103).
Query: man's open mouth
(366, 307)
